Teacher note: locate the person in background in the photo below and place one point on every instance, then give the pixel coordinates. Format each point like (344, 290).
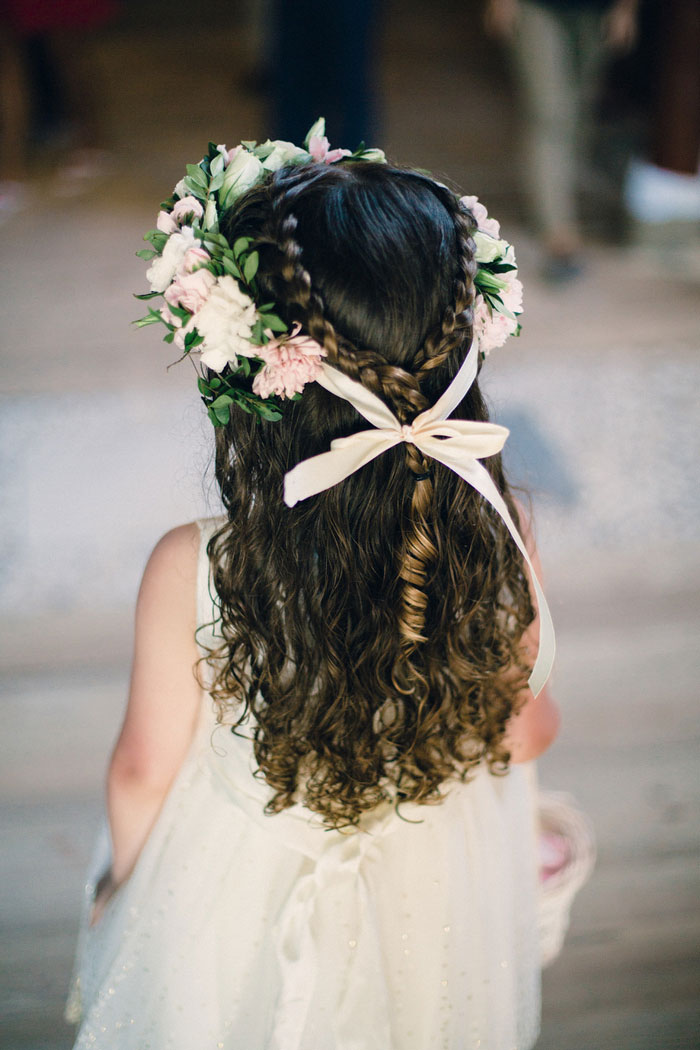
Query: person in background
(559, 48)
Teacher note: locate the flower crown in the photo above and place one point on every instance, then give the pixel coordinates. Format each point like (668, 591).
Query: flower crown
(213, 307)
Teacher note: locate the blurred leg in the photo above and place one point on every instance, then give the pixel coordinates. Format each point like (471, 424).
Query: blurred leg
(590, 58)
(544, 56)
(14, 108)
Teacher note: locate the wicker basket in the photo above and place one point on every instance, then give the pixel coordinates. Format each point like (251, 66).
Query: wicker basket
(561, 821)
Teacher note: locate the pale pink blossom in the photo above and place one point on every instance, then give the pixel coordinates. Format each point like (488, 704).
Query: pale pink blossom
(187, 209)
(487, 225)
(224, 153)
(180, 330)
(512, 294)
(166, 223)
(290, 363)
(195, 257)
(190, 290)
(491, 328)
(319, 148)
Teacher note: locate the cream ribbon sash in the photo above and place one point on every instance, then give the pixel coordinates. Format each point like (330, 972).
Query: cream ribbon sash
(457, 443)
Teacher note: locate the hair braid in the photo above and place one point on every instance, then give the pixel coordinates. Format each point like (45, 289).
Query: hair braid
(420, 544)
(394, 384)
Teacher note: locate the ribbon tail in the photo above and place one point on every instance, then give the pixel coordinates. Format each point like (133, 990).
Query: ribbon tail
(346, 455)
(479, 478)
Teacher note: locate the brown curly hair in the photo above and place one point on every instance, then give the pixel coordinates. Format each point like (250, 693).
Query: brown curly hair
(372, 631)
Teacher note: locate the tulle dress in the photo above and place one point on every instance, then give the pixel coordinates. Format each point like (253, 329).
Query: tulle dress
(242, 931)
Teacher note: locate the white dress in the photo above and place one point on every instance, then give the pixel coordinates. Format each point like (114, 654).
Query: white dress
(242, 931)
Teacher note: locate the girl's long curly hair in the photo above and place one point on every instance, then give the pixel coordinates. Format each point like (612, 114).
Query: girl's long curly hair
(374, 630)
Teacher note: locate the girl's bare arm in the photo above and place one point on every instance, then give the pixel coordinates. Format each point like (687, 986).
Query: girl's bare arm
(164, 697)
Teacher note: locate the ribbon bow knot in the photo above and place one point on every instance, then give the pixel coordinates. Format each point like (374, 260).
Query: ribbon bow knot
(456, 443)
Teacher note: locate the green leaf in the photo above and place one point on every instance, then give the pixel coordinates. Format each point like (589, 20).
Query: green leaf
(214, 240)
(273, 322)
(501, 267)
(147, 254)
(193, 340)
(269, 412)
(150, 318)
(179, 312)
(157, 239)
(258, 333)
(169, 337)
(230, 267)
(216, 183)
(148, 295)
(197, 175)
(216, 165)
(216, 418)
(195, 189)
(241, 244)
(250, 267)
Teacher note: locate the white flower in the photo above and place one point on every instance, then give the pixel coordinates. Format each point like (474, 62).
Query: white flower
(375, 156)
(224, 152)
(488, 249)
(225, 323)
(243, 171)
(163, 268)
(484, 223)
(180, 190)
(283, 153)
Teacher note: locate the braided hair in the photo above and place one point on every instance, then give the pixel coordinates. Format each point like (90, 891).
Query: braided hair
(372, 631)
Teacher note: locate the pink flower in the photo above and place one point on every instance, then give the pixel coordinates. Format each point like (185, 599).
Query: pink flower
(491, 328)
(180, 330)
(190, 290)
(319, 148)
(165, 222)
(490, 226)
(186, 210)
(290, 363)
(194, 257)
(512, 294)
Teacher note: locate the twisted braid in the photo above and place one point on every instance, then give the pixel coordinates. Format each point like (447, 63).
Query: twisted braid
(420, 548)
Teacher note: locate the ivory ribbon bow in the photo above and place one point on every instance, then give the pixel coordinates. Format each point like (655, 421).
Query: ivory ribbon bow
(457, 443)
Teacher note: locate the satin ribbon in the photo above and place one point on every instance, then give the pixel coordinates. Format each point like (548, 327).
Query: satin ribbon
(339, 870)
(457, 443)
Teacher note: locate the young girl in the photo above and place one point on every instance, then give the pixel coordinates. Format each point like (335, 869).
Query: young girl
(321, 813)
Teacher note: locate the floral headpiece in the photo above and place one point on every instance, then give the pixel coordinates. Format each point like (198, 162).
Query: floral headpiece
(213, 307)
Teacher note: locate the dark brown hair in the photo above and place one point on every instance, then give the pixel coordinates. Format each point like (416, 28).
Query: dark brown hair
(373, 631)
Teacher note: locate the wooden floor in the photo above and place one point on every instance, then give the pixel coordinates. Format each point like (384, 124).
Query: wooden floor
(617, 378)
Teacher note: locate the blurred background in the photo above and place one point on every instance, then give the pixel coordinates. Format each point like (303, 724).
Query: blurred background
(577, 122)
